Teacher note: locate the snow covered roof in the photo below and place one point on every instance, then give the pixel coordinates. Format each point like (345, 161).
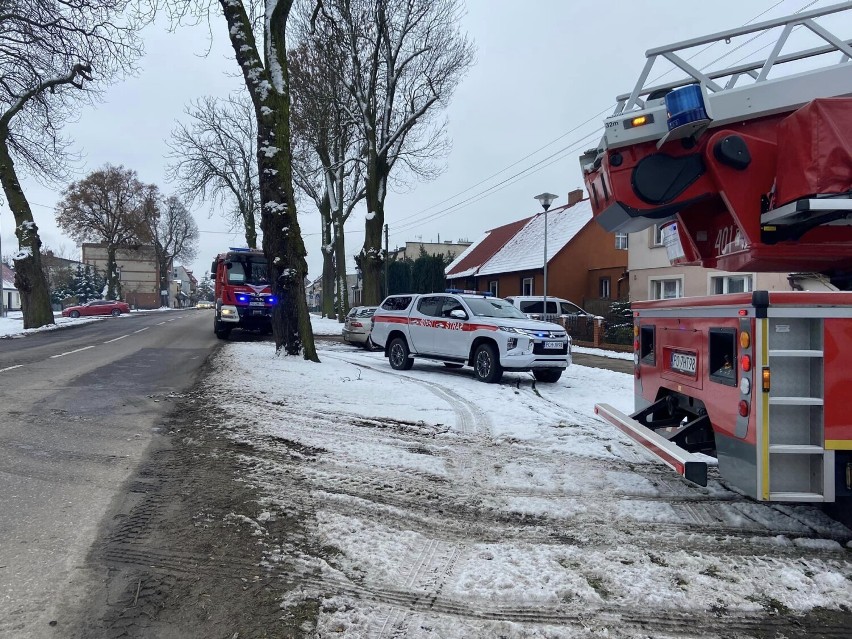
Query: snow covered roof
(525, 250)
(478, 253)
(7, 278)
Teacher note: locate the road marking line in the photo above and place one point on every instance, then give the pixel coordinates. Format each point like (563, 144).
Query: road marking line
(172, 320)
(142, 329)
(161, 323)
(85, 348)
(8, 368)
(110, 341)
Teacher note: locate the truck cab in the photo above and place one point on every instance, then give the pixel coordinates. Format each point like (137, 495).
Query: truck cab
(243, 293)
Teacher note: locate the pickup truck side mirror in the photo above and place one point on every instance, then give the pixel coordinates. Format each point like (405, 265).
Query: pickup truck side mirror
(458, 314)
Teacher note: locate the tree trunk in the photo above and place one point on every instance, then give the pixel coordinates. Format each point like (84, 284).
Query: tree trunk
(327, 308)
(113, 285)
(268, 84)
(342, 289)
(29, 275)
(282, 236)
(370, 259)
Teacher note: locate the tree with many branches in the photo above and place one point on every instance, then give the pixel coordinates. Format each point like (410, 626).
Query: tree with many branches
(171, 229)
(214, 157)
(110, 206)
(325, 162)
(51, 51)
(399, 60)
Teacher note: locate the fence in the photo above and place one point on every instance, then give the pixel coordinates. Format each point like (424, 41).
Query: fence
(609, 325)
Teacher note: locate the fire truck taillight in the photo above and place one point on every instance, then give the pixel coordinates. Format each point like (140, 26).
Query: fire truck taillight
(743, 408)
(745, 340)
(745, 362)
(766, 378)
(635, 344)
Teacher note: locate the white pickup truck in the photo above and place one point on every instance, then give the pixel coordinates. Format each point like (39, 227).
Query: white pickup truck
(466, 327)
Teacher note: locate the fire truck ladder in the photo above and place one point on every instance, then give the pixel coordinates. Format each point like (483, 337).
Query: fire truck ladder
(794, 465)
(735, 93)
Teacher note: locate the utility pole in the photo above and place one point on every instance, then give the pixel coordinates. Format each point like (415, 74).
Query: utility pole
(387, 284)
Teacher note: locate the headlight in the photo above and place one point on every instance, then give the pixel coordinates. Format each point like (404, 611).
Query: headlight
(511, 329)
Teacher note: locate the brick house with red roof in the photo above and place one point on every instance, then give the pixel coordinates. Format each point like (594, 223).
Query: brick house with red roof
(584, 262)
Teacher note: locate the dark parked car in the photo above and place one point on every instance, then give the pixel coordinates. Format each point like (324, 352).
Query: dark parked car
(359, 323)
(97, 307)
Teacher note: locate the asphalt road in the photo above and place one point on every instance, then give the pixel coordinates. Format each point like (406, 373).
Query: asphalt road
(78, 409)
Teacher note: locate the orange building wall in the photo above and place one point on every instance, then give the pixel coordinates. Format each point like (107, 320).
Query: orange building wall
(573, 273)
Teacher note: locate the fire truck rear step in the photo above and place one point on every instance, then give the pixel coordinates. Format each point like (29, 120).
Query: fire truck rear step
(692, 466)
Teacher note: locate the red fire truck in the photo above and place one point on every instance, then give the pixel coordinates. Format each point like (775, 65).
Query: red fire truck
(243, 293)
(747, 168)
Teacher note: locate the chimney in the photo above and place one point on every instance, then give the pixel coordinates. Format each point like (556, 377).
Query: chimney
(575, 196)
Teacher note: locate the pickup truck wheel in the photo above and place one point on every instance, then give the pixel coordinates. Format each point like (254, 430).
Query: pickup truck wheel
(398, 355)
(547, 376)
(486, 365)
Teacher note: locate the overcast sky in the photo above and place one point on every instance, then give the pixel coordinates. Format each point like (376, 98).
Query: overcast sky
(543, 68)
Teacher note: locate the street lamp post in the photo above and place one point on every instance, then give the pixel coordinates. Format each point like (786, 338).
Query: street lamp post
(545, 199)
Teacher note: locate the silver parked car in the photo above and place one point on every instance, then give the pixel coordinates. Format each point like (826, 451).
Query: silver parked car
(358, 324)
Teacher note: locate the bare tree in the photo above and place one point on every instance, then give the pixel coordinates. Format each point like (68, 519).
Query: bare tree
(214, 157)
(173, 232)
(265, 71)
(50, 51)
(400, 60)
(325, 161)
(108, 206)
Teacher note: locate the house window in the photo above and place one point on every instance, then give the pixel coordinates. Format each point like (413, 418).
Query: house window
(665, 289)
(621, 241)
(730, 284)
(656, 236)
(492, 288)
(527, 286)
(603, 288)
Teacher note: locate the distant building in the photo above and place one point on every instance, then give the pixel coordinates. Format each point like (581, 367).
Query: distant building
(585, 263)
(8, 290)
(411, 250)
(653, 277)
(139, 273)
(182, 287)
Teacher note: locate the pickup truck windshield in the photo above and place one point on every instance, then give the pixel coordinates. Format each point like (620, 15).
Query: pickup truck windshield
(493, 307)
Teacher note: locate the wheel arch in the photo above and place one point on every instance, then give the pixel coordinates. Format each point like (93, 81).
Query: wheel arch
(483, 339)
(391, 337)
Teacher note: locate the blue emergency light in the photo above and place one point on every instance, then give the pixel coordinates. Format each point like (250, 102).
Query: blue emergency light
(459, 291)
(685, 105)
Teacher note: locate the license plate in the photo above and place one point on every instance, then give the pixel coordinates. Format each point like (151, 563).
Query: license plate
(256, 304)
(554, 345)
(683, 363)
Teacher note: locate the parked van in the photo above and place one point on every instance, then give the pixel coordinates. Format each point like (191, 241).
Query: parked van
(532, 307)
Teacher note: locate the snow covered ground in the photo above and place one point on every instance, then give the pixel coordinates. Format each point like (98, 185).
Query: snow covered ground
(438, 506)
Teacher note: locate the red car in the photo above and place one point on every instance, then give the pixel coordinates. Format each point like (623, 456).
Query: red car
(97, 307)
